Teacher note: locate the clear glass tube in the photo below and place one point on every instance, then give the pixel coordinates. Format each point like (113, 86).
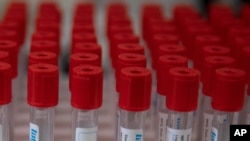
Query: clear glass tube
(179, 125)
(4, 123)
(162, 117)
(205, 118)
(131, 125)
(221, 124)
(84, 125)
(41, 124)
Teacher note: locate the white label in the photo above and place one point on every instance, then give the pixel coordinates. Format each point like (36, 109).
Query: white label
(214, 134)
(131, 134)
(163, 117)
(34, 132)
(207, 126)
(86, 134)
(178, 135)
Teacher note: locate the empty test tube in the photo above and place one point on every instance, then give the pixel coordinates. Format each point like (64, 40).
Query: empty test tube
(42, 97)
(86, 99)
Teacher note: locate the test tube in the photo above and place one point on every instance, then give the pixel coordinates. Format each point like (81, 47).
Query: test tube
(5, 100)
(165, 63)
(86, 98)
(42, 97)
(125, 60)
(205, 112)
(227, 101)
(134, 101)
(181, 102)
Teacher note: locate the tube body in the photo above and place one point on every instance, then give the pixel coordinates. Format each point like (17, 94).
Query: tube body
(221, 124)
(41, 124)
(248, 110)
(131, 125)
(5, 123)
(205, 119)
(84, 125)
(179, 126)
(162, 117)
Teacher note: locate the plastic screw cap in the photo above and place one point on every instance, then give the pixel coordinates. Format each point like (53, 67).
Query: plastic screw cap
(135, 94)
(128, 60)
(119, 39)
(43, 57)
(215, 50)
(246, 64)
(200, 42)
(78, 59)
(45, 35)
(212, 63)
(10, 35)
(167, 49)
(12, 48)
(160, 39)
(43, 83)
(165, 63)
(4, 57)
(87, 87)
(129, 48)
(182, 89)
(45, 45)
(228, 90)
(49, 26)
(83, 47)
(116, 29)
(83, 37)
(83, 27)
(5, 83)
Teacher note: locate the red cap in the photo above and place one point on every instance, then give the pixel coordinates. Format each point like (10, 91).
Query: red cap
(199, 43)
(49, 26)
(43, 85)
(129, 48)
(159, 28)
(181, 11)
(209, 66)
(83, 28)
(5, 83)
(88, 48)
(78, 59)
(245, 64)
(189, 34)
(48, 17)
(235, 32)
(12, 48)
(165, 63)
(128, 60)
(215, 50)
(43, 57)
(83, 37)
(228, 89)
(87, 87)
(160, 39)
(45, 45)
(14, 26)
(45, 35)
(118, 20)
(183, 85)
(10, 35)
(84, 7)
(119, 39)
(240, 42)
(167, 49)
(116, 29)
(4, 57)
(135, 93)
